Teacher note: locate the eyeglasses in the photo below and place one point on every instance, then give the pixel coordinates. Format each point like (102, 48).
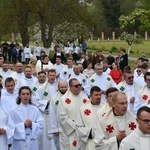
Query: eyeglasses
(76, 86)
(138, 71)
(146, 121)
(129, 78)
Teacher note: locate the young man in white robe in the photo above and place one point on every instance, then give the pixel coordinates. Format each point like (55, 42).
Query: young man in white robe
(27, 53)
(129, 87)
(143, 95)
(9, 94)
(58, 66)
(109, 93)
(18, 74)
(68, 110)
(81, 78)
(44, 64)
(28, 78)
(139, 139)
(43, 98)
(87, 121)
(53, 109)
(6, 128)
(28, 122)
(101, 79)
(117, 123)
(41, 80)
(67, 70)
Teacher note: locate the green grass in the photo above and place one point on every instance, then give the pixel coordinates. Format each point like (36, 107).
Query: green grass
(136, 49)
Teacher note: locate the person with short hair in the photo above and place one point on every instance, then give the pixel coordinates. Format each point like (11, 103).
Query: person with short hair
(68, 110)
(117, 123)
(129, 87)
(28, 122)
(139, 139)
(87, 121)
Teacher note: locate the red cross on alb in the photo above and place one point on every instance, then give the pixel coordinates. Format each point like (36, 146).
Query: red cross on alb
(74, 143)
(145, 97)
(132, 125)
(84, 101)
(87, 112)
(68, 101)
(109, 129)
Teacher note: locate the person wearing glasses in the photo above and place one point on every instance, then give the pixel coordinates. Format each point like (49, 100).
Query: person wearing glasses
(68, 110)
(143, 95)
(129, 87)
(139, 139)
(101, 79)
(117, 123)
(87, 121)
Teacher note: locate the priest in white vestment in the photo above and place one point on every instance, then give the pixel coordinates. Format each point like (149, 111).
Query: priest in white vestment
(6, 128)
(117, 123)
(42, 100)
(18, 74)
(9, 95)
(67, 70)
(81, 78)
(68, 110)
(102, 80)
(130, 88)
(87, 121)
(109, 93)
(28, 122)
(28, 78)
(143, 95)
(139, 139)
(53, 109)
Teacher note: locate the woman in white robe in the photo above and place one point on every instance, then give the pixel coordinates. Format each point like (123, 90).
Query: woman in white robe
(28, 122)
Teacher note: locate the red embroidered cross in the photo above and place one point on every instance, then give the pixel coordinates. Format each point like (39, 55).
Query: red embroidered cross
(145, 97)
(68, 101)
(84, 101)
(109, 129)
(132, 125)
(103, 114)
(87, 112)
(74, 143)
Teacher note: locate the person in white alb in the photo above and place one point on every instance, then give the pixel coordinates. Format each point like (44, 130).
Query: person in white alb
(87, 121)
(139, 139)
(129, 87)
(37, 51)
(68, 110)
(6, 128)
(28, 122)
(143, 95)
(117, 123)
(53, 110)
(101, 79)
(109, 93)
(27, 53)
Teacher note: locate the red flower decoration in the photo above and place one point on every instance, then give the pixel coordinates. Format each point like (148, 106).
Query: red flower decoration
(68, 101)
(84, 101)
(132, 125)
(109, 129)
(74, 143)
(87, 112)
(145, 97)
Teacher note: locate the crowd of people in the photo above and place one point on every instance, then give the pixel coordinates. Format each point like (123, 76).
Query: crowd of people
(74, 102)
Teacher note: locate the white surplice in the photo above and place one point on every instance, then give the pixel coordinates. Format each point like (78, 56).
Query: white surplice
(26, 138)
(87, 122)
(6, 123)
(17, 76)
(68, 110)
(136, 141)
